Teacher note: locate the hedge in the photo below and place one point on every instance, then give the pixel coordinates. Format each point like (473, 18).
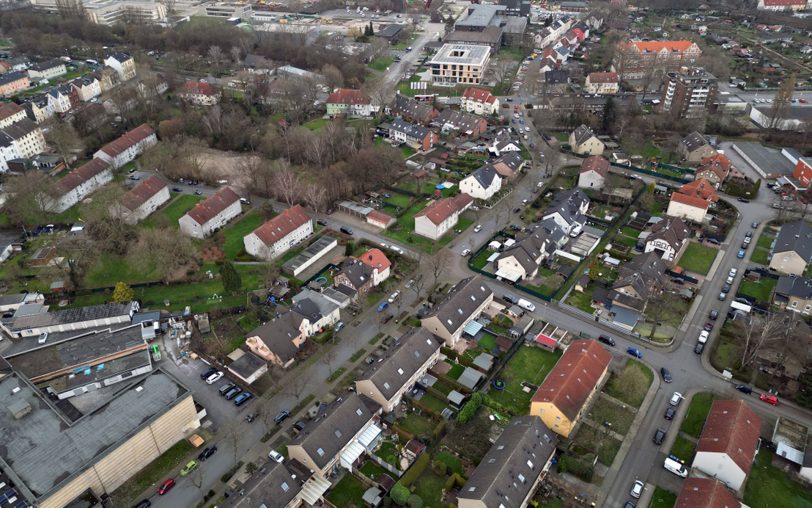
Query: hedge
(405, 435)
(454, 480)
(583, 470)
(470, 408)
(416, 470)
(439, 467)
(438, 432)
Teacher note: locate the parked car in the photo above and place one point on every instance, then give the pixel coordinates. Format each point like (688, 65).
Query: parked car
(634, 352)
(699, 348)
(676, 398)
(510, 298)
(189, 467)
(769, 399)
(276, 456)
(754, 225)
(748, 238)
(714, 314)
(232, 393)
(382, 307)
(478, 228)
(282, 416)
(166, 486)
(659, 437)
(669, 413)
(339, 326)
(722, 296)
(746, 389)
(465, 252)
(394, 296)
(206, 453)
(242, 398)
(609, 341)
(637, 489)
(145, 503)
(732, 272)
(321, 222)
(708, 326)
(729, 280)
(208, 372)
(226, 387)
(740, 254)
(214, 378)
(666, 375)
(177, 189)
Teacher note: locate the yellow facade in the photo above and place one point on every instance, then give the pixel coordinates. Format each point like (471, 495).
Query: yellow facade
(552, 417)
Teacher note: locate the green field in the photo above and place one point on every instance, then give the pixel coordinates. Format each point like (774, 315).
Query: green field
(770, 486)
(697, 414)
(683, 449)
(761, 291)
(631, 384)
(381, 63)
(315, 124)
(235, 232)
(169, 215)
(530, 364)
(697, 258)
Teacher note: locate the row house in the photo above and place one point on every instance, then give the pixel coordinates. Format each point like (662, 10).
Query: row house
(416, 136)
(463, 303)
(279, 234)
(412, 110)
(61, 98)
(142, 200)
(128, 146)
(460, 123)
(440, 217)
(12, 83)
(602, 83)
(20, 140)
(211, 214)
(79, 183)
(349, 102)
(715, 169)
(38, 108)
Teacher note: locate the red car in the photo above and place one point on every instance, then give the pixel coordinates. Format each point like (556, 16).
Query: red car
(802, 100)
(769, 399)
(166, 486)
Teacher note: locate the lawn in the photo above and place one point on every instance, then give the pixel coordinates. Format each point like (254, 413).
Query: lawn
(155, 471)
(234, 233)
(381, 63)
(662, 498)
(769, 486)
(530, 364)
(631, 385)
(347, 492)
(110, 269)
(433, 403)
(480, 261)
(416, 424)
(697, 414)
(590, 441)
(761, 252)
(429, 487)
(487, 341)
(683, 449)
(582, 300)
(403, 231)
(605, 410)
(174, 211)
(450, 460)
(315, 124)
(398, 200)
(697, 258)
(388, 453)
(761, 291)
(371, 469)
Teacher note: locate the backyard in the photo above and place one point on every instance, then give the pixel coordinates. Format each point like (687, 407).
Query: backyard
(403, 231)
(529, 365)
(233, 234)
(591, 441)
(582, 299)
(173, 211)
(631, 385)
(760, 291)
(347, 492)
(662, 498)
(619, 418)
(761, 252)
(697, 258)
(770, 486)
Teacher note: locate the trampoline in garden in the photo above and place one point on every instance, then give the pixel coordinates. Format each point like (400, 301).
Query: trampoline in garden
(498, 384)
(321, 280)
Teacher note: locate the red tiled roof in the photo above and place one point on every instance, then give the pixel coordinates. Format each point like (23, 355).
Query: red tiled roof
(660, 45)
(442, 209)
(732, 428)
(199, 88)
(603, 77)
(142, 192)
(81, 175)
(213, 206)
(375, 258)
(8, 109)
(574, 377)
(127, 140)
(545, 340)
(700, 188)
(282, 225)
(597, 164)
(479, 95)
(379, 217)
(705, 493)
(718, 164)
(689, 200)
(348, 96)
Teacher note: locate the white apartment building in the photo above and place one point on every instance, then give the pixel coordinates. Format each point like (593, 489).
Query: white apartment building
(87, 87)
(47, 70)
(123, 64)
(20, 140)
(128, 146)
(211, 214)
(278, 235)
(79, 183)
(459, 63)
(142, 200)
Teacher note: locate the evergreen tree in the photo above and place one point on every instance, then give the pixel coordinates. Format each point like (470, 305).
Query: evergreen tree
(232, 282)
(609, 116)
(371, 30)
(123, 293)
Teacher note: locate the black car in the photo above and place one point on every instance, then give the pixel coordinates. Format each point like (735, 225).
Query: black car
(177, 189)
(745, 389)
(208, 373)
(714, 314)
(146, 503)
(699, 348)
(282, 416)
(629, 504)
(232, 393)
(744, 246)
(510, 298)
(666, 375)
(346, 230)
(208, 452)
(321, 222)
(659, 437)
(609, 341)
(517, 210)
(670, 411)
(726, 288)
(708, 326)
(744, 200)
(298, 426)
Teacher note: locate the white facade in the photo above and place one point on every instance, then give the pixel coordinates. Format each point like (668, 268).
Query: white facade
(661, 245)
(423, 226)
(685, 211)
(81, 191)
(591, 180)
(129, 154)
(145, 210)
(88, 90)
(58, 102)
(12, 119)
(190, 227)
(199, 99)
(591, 146)
(471, 186)
(22, 147)
(602, 88)
(124, 68)
(257, 248)
(721, 467)
(51, 72)
(480, 107)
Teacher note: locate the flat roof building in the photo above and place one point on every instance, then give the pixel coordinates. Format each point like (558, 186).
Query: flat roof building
(460, 63)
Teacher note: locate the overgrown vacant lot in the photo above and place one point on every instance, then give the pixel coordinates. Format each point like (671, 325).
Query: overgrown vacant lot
(530, 364)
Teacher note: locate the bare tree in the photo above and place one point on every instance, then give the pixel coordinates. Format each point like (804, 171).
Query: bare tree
(315, 195)
(287, 184)
(295, 386)
(169, 5)
(233, 432)
(216, 55)
(164, 250)
(759, 330)
(236, 54)
(31, 195)
(65, 141)
(781, 103)
(439, 264)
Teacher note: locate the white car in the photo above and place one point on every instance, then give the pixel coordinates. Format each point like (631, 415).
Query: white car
(729, 280)
(394, 296)
(478, 228)
(676, 399)
(732, 272)
(637, 489)
(465, 252)
(703, 336)
(214, 377)
(276, 456)
(525, 201)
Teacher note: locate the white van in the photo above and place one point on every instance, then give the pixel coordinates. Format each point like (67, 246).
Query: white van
(526, 305)
(676, 467)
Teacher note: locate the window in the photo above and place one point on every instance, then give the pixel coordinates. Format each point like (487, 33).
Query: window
(359, 412)
(285, 487)
(338, 433)
(320, 451)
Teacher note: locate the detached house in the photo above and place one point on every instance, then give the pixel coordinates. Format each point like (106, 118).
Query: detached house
(522, 259)
(794, 293)
(142, 200)
(211, 214)
(353, 103)
(668, 238)
(87, 87)
(412, 110)
(694, 147)
(482, 183)
(276, 236)
(715, 169)
(593, 173)
(479, 101)
(416, 136)
(637, 284)
(389, 380)
(123, 64)
(568, 211)
(692, 200)
(128, 146)
(792, 250)
(508, 164)
(583, 141)
(356, 275)
(569, 388)
(728, 443)
(463, 303)
(602, 83)
(59, 98)
(378, 262)
(441, 216)
(199, 93)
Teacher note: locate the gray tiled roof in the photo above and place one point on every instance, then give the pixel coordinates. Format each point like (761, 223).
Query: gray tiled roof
(799, 287)
(485, 175)
(459, 304)
(410, 130)
(797, 237)
(278, 335)
(694, 140)
(416, 347)
(582, 134)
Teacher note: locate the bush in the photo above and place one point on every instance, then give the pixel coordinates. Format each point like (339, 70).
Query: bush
(415, 501)
(582, 470)
(496, 406)
(400, 493)
(416, 470)
(439, 467)
(469, 409)
(454, 480)
(227, 476)
(438, 432)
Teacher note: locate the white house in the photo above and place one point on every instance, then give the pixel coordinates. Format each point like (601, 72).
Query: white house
(379, 263)
(728, 443)
(79, 183)
(441, 216)
(211, 214)
(668, 238)
(276, 236)
(479, 101)
(47, 70)
(482, 183)
(123, 64)
(10, 113)
(522, 260)
(59, 99)
(602, 83)
(22, 139)
(350, 102)
(142, 200)
(584, 142)
(87, 87)
(594, 171)
(128, 146)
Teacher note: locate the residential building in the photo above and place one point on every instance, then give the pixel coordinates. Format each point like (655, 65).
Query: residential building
(715, 169)
(12, 302)
(37, 108)
(463, 303)
(389, 380)
(141, 200)
(128, 146)
(482, 183)
(279, 487)
(782, 5)
(277, 235)
(459, 63)
(462, 124)
(639, 280)
(690, 93)
(694, 147)
(318, 311)
(47, 70)
(60, 98)
(349, 102)
(568, 389)
(794, 292)
(479, 101)
(802, 172)
(229, 10)
(728, 443)
(692, 200)
(339, 437)
(355, 275)
(33, 319)
(412, 110)
(441, 216)
(668, 238)
(415, 136)
(594, 171)
(390, 33)
(521, 260)
(10, 113)
(706, 493)
(568, 211)
(510, 473)
(792, 250)
(12, 83)
(20, 140)
(556, 81)
(508, 164)
(376, 260)
(87, 87)
(636, 60)
(602, 83)
(79, 183)
(211, 214)
(199, 93)
(64, 457)
(583, 141)
(123, 64)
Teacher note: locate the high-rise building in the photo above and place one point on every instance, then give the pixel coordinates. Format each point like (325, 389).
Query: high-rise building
(690, 93)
